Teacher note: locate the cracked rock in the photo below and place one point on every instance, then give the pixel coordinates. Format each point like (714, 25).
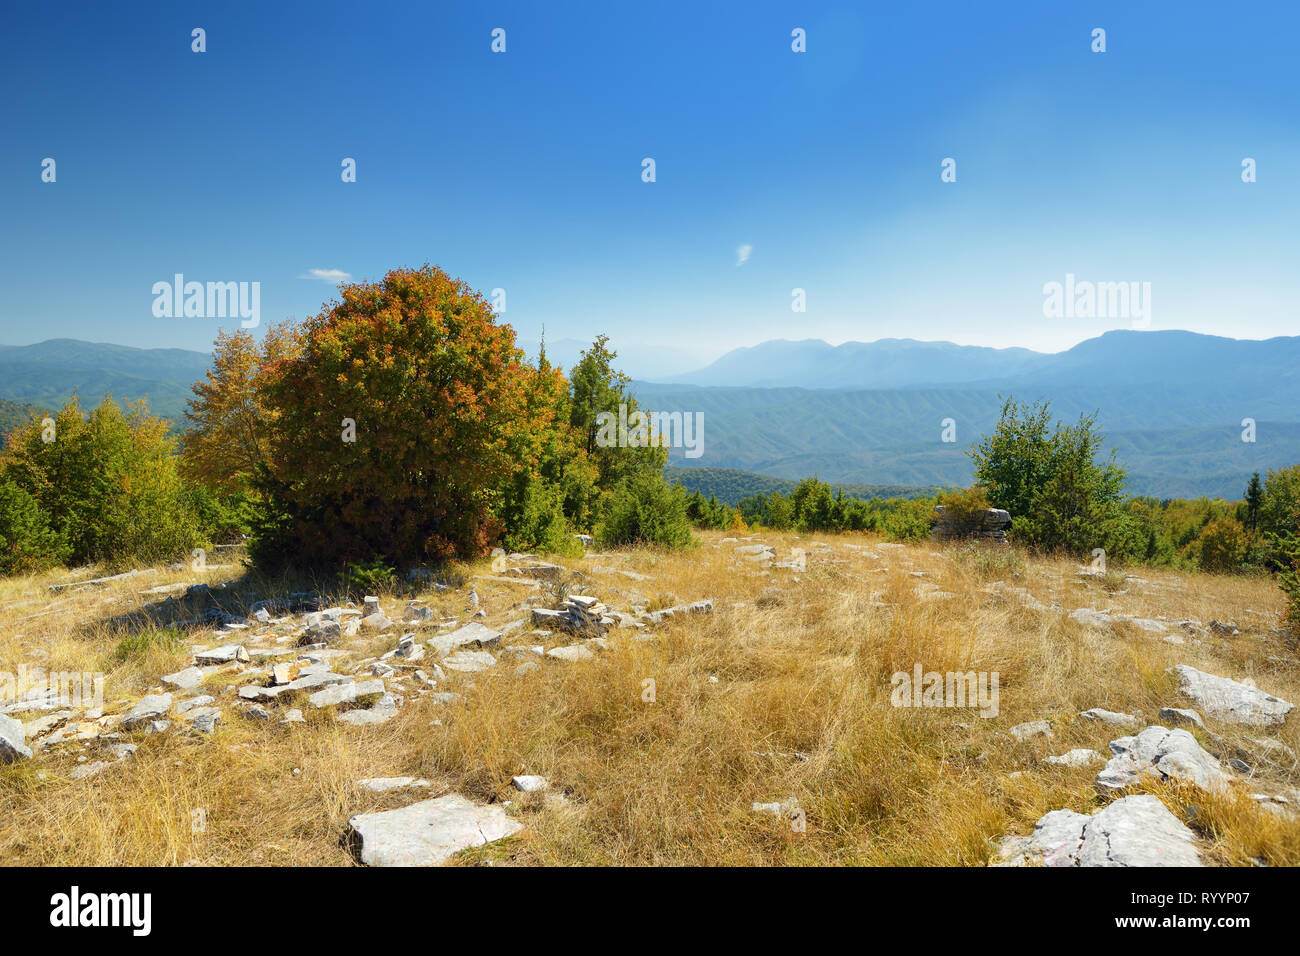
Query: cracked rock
(1132, 831)
(1232, 701)
(1169, 754)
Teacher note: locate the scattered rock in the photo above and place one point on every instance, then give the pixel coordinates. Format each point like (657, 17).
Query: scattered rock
(88, 770)
(1076, 758)
(472, 634)
(187, 679)
(324, 632)
(13, 740)
(469, 661)
(428, 833)
(698, 607)
(1178, 716)
(1132, 831)
(1030, 729)
(226, 654)
(1111, 717)
(205, 719)
(193, 703)
(573, 652)
(1169, 754)
(1092, 617)
(345, 692)
(407, 650)
(1232, 701)
(580, 613)
(149, 709)
(383, 710)
(529, 783)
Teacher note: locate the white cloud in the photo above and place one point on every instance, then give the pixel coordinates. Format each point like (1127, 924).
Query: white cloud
(742, 254)
(326, 275)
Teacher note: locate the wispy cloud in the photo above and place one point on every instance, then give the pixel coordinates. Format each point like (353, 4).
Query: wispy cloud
(742, 254)
(326, 275)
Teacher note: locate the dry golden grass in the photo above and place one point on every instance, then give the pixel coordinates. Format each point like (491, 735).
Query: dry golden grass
(804, 670)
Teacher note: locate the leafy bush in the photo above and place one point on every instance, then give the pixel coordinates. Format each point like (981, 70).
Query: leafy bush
(1222, 545)
(964, 509)
(27, 542)
(709, 512)
(645, 510)
(166, 640)
(1289, 582)
(368, 577)
(1059, 496)
(108, 481)
(224, 518)
(227, 442)
(541, 524)
(910, 521)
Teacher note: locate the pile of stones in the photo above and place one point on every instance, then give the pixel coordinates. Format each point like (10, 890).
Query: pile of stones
(579, 614)
(989, 524)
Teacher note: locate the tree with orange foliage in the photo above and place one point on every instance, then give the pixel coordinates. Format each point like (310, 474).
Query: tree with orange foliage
(228, 436)
(395, 425)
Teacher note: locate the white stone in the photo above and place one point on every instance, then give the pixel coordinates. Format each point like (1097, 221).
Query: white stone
(1167, 754)
(1232, 701)
(428, 833)
(148, 709)
(1109, 717)
(189, 678)
(1080, 757)
(1132, 831)
(469, 661)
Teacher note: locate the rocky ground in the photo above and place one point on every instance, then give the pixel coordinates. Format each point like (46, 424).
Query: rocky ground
(727, 705)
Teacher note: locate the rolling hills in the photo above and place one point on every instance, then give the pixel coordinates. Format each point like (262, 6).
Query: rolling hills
(1171, 404)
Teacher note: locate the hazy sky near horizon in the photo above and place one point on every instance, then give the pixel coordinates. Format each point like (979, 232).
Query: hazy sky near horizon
(775, 170)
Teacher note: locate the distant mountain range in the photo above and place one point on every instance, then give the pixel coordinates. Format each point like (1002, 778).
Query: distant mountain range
(47, 373)
(872, 414)
(1171, 403)
(1119, 357)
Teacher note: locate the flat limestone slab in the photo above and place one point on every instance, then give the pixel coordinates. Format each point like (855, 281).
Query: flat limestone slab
(1231, 701)
(428, 833)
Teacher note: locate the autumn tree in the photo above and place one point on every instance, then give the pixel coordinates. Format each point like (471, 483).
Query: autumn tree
(395, 425)
(228, 437)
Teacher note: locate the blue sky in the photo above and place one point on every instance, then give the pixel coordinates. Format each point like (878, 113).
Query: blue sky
(522, 170)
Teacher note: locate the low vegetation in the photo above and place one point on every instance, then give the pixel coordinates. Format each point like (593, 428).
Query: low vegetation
(781, 695)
